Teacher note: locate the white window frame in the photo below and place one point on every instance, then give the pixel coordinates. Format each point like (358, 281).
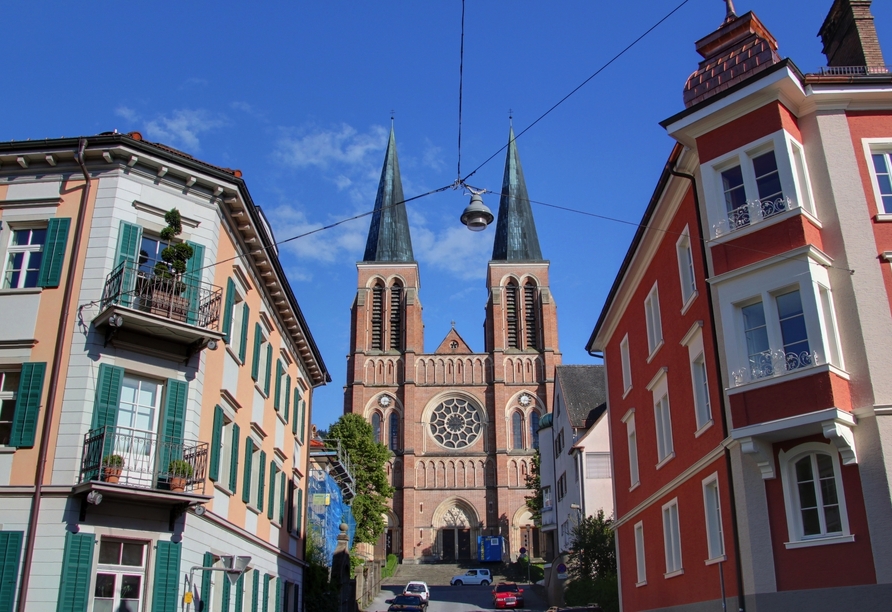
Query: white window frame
(878, 146)
(26, 250)
(686, 274)
(702, 402)
(659, 388)
(255, 476)
(712, 509)
(235, 327)
(672, 539)
(225, 452)
(8, 393)
(787, 466)
(626, 365)
(792, 172)
(546, 498)
(640, 559)
(120, 571)
(653, 321)
(632, 440)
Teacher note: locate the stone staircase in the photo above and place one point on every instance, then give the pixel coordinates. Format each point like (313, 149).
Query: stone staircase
(437, 574)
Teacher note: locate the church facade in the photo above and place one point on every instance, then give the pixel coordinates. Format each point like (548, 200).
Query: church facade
(461, 425)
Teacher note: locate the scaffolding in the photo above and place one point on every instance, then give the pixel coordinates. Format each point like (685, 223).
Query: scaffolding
(330, 489)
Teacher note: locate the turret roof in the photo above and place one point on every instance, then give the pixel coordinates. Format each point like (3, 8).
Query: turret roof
(516, 238)
(389, 238)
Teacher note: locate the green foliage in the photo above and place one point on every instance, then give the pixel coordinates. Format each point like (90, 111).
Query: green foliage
(175, 255)
(592, 564)
(390, 566)
(367, 460)
(113, 461)
(355, 561)
(180, 468)
(319, 591)
(534, 502)
(517, 571)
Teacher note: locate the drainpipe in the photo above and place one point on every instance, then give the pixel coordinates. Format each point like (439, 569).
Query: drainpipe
(31, 535)
(715, 348)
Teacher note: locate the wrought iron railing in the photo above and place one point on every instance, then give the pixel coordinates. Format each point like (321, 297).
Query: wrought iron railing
(178, 298)
(752, 212)
(143, 459)
(855, 70)
(773, 363)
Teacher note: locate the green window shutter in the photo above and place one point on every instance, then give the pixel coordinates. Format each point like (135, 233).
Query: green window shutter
(266, 580)
(278, 385)
(303, 419)
(269, 367)
(205, 595)
(287, 402)
(108, 396)
(227, 309)
(226, 594)
(258, 339)
(233, 459)
(246, 481)
(261, 484)
(53, 252)
(27, 406)
(192, 280)
(271, 502)
(10, 553)
(240, 593)
(255, 591)
(243, 346)
(298, 523)
(165, 589)
(216, 439)
(294, 418)
(77, 569)
(278, 607)
(282, 487)
(129, 241)
(174, 422)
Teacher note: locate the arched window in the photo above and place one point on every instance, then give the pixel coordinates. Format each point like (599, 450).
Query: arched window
(511, 323)
(396, 317)
(378, 317)
(517, 429)
(814, 494)
(376, 426)
(530, 318)
(394, 431)
(534, 428)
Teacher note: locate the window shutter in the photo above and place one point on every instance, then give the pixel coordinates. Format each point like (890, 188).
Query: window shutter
(271, 502)
(227, 310)
(108, 395)
(233, 459)
(225, 594)
(246, 481)
(282, 486)
(129, 240)
(278, 595)
(258, 339)
(243, 345)
(294, 416)
(261, 485)
(205, 602)
(278, 385)
(174, 420)
(165, 589)
(192, 279)
(299, 524)
(53, 252)
(27, 406)
(77, 568)
(303, 419)
(266, 580)
(255, 591)
(240, 592)
(216, 438)
(269, 367)
(10, 553)
(287, 401)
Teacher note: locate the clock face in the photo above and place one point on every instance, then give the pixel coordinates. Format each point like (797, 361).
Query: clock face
(384, 401)
(525, 400)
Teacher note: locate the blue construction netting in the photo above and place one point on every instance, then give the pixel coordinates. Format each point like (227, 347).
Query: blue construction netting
(326, 511)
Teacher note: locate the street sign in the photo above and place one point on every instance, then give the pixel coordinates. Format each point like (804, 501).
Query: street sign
(561, 571)
(523, 550)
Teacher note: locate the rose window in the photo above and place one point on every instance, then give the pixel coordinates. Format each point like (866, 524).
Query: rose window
(455, 423)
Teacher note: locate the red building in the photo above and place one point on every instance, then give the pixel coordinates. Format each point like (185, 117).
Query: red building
(784, 183)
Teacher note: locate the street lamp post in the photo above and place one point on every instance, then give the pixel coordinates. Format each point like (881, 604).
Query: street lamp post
(234, 566)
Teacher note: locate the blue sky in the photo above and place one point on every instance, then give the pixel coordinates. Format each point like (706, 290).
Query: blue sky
(298, 95)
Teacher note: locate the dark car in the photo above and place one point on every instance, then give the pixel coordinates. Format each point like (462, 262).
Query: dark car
(507, 595)
(406, 603)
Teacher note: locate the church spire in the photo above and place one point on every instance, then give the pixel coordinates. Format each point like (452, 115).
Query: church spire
(389, 238)
(516, 237)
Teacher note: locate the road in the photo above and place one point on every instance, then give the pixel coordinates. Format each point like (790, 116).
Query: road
(457, 599)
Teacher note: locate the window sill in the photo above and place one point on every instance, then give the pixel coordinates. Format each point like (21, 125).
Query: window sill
(234, 355)
(281, 418)
(641, 584)
(654, 352)
(634, 486)
(275, 523)
(703, 429)
(840, 539)
(690, 301)
(260, 390)
(222, 489)
(4, 450)
(666, 460)
(22, 291)
(677, 572)
(883, 218)
(714, 560)
(254, 509)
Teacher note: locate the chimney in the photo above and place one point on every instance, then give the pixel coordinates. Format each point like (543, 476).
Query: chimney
(738, 49)
(849, 36)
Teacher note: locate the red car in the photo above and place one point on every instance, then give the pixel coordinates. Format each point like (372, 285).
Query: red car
(507, 595)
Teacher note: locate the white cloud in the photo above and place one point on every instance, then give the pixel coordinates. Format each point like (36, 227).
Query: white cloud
(182, 127)
(432, 156)
(454, 249)
(127, 113)
(343, 146)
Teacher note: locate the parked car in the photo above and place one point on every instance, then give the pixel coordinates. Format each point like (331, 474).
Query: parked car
(416, 587)
(507, 595)
(474, 576)
(406, 603)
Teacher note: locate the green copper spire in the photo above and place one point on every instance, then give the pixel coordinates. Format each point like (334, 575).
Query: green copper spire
(516, 238)
(389, 238)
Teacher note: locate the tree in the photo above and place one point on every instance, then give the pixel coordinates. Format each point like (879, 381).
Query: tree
(534, 502)
(367, 458)
(592, 564)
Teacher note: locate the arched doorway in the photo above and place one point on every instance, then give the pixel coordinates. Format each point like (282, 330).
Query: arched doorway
(392, 536)
(525, 534)
(457, 528)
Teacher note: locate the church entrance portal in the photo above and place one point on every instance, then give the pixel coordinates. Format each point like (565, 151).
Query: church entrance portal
(455, 521)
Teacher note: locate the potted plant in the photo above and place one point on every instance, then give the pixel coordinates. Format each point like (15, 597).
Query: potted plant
(112, 465)
(168, 273)
(179, 471)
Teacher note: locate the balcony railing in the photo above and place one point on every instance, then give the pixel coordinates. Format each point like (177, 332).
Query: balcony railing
(855, 70)
(142, 459)
(750, 213)
(773, 363)
(182, 298)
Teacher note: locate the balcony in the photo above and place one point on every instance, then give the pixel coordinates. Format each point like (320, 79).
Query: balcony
(751, 213)
(142, 467)
(159, 315)
(769, 364)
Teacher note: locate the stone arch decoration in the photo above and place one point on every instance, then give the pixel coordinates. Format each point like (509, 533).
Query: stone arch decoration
(457, 525)
(525, 534)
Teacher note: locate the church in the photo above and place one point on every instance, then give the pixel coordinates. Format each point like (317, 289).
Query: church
(462, 425)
